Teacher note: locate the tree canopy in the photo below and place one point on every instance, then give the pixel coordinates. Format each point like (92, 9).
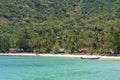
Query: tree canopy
(51, 25)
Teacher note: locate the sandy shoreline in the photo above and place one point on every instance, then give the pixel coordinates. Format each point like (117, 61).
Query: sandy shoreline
(60, 55)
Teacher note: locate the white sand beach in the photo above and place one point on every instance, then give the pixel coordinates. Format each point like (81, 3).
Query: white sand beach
(79, 56)
(60, 55)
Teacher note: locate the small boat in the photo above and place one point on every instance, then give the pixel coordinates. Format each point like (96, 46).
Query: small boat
(90, 57)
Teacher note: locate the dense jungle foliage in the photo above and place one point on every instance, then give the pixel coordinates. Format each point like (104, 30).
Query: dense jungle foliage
(52, 25)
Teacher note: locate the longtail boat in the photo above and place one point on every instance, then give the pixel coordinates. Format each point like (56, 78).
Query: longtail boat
(90, 57)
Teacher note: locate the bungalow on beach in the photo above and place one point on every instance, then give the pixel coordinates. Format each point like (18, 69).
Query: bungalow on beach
(84, 49)
(15, 50)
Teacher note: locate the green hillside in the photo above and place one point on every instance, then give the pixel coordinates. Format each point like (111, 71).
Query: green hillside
(51, 25)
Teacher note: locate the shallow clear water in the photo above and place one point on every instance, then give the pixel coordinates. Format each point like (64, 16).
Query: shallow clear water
(56, 68)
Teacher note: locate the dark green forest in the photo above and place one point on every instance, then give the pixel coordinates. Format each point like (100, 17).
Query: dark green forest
(50, 25)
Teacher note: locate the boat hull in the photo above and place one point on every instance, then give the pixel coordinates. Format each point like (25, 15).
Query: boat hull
(90, 58)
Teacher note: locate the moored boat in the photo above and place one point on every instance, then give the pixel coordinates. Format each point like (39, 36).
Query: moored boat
(90, 57)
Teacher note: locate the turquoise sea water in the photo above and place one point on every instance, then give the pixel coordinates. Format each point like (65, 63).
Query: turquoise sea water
(56, 68)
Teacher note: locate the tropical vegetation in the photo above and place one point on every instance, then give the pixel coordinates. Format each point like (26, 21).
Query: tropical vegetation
(51, 25)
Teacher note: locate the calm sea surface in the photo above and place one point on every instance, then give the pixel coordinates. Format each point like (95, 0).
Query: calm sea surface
(56, 68)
